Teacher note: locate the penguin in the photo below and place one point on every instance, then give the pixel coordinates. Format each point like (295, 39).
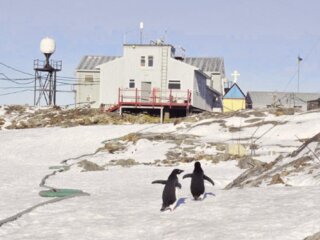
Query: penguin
(169, 191)
(197, 181)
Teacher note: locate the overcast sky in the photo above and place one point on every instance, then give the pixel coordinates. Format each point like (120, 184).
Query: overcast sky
(261, 39)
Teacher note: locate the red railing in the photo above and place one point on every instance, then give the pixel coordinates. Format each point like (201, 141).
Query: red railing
(154, 97)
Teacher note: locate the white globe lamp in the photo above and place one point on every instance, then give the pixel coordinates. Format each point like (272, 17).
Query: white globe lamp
(47, 47)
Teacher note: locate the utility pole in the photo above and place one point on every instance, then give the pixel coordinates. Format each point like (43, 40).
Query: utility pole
(299, 60)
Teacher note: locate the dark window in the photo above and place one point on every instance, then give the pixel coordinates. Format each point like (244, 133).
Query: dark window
(150, 61)
(88, 78)
(131, 83)
(143, 61)
(174, 84)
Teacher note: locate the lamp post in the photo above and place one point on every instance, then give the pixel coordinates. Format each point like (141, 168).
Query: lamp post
(45, 87)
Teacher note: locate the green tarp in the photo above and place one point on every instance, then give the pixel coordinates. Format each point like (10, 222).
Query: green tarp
(59, 192)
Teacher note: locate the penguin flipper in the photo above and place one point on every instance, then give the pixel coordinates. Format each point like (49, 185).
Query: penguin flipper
(178, 185)
(159, 181)
(187, 175)
(208, 179)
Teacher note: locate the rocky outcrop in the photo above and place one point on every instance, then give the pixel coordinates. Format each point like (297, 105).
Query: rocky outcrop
(313, 237)
(303, 160)
(2, 121)
(52, 117)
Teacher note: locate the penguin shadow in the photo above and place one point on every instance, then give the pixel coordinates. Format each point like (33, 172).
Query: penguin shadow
(180, 202)
(206, 194)
(183, 199)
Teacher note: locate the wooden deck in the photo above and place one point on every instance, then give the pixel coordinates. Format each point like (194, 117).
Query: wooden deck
(154, 98)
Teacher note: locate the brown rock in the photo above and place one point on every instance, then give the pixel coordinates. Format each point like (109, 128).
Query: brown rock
(2, 121)
(276, 179)
(90, 166)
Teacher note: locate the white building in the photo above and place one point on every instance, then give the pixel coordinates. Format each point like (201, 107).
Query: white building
(261, 100)
(149, 76)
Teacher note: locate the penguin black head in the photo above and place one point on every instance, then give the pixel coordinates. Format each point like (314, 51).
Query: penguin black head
(197, 165)
(177, 171)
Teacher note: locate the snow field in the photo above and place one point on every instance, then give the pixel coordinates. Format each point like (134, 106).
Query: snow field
(123, 204)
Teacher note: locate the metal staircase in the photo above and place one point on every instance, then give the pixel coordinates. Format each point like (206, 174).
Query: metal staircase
(113, 108)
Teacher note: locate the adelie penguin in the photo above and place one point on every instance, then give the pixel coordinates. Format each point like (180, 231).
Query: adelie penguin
(169, 191)
(197, 181)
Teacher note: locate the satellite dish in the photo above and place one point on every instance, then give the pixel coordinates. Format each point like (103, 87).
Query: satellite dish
(47, 45)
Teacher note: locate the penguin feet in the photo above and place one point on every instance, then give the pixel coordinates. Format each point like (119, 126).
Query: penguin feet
(197, 198)
(163, 209)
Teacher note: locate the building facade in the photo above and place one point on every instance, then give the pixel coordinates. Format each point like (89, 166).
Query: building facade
(151, 74)
(234, 99)
(313, 104)
(260, 100)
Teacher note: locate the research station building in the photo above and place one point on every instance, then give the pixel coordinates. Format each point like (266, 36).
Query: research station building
(151, 76)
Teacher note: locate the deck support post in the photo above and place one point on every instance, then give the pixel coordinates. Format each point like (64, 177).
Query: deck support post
(161, 115)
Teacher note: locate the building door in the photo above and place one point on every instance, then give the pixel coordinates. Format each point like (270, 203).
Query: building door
(145, 91)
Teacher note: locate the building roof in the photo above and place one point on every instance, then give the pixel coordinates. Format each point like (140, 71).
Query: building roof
(315, 100)
(206, 64)
(235, 92)
(89, 63)
(287, 99)
(148, 45)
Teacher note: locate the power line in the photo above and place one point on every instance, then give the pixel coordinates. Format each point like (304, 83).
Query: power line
(294, 75)
(14, 81)
(26, 90)
(312, 49)
(70, 91)
(76, 84)
(305, 58)
(67, 77)
(18, 79)
(5, 88)
(78, 79)
(15, 69)
(290, 80)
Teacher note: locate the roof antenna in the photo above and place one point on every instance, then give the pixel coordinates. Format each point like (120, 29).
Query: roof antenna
(141, 30)
(164, 37)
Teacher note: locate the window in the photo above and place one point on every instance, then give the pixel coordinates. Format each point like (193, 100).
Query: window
(143, 61)
(131, 83)
(150, 61)
(88, 78)
(174, 84)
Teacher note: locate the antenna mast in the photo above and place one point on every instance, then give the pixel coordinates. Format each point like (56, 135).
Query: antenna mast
(141, 31)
